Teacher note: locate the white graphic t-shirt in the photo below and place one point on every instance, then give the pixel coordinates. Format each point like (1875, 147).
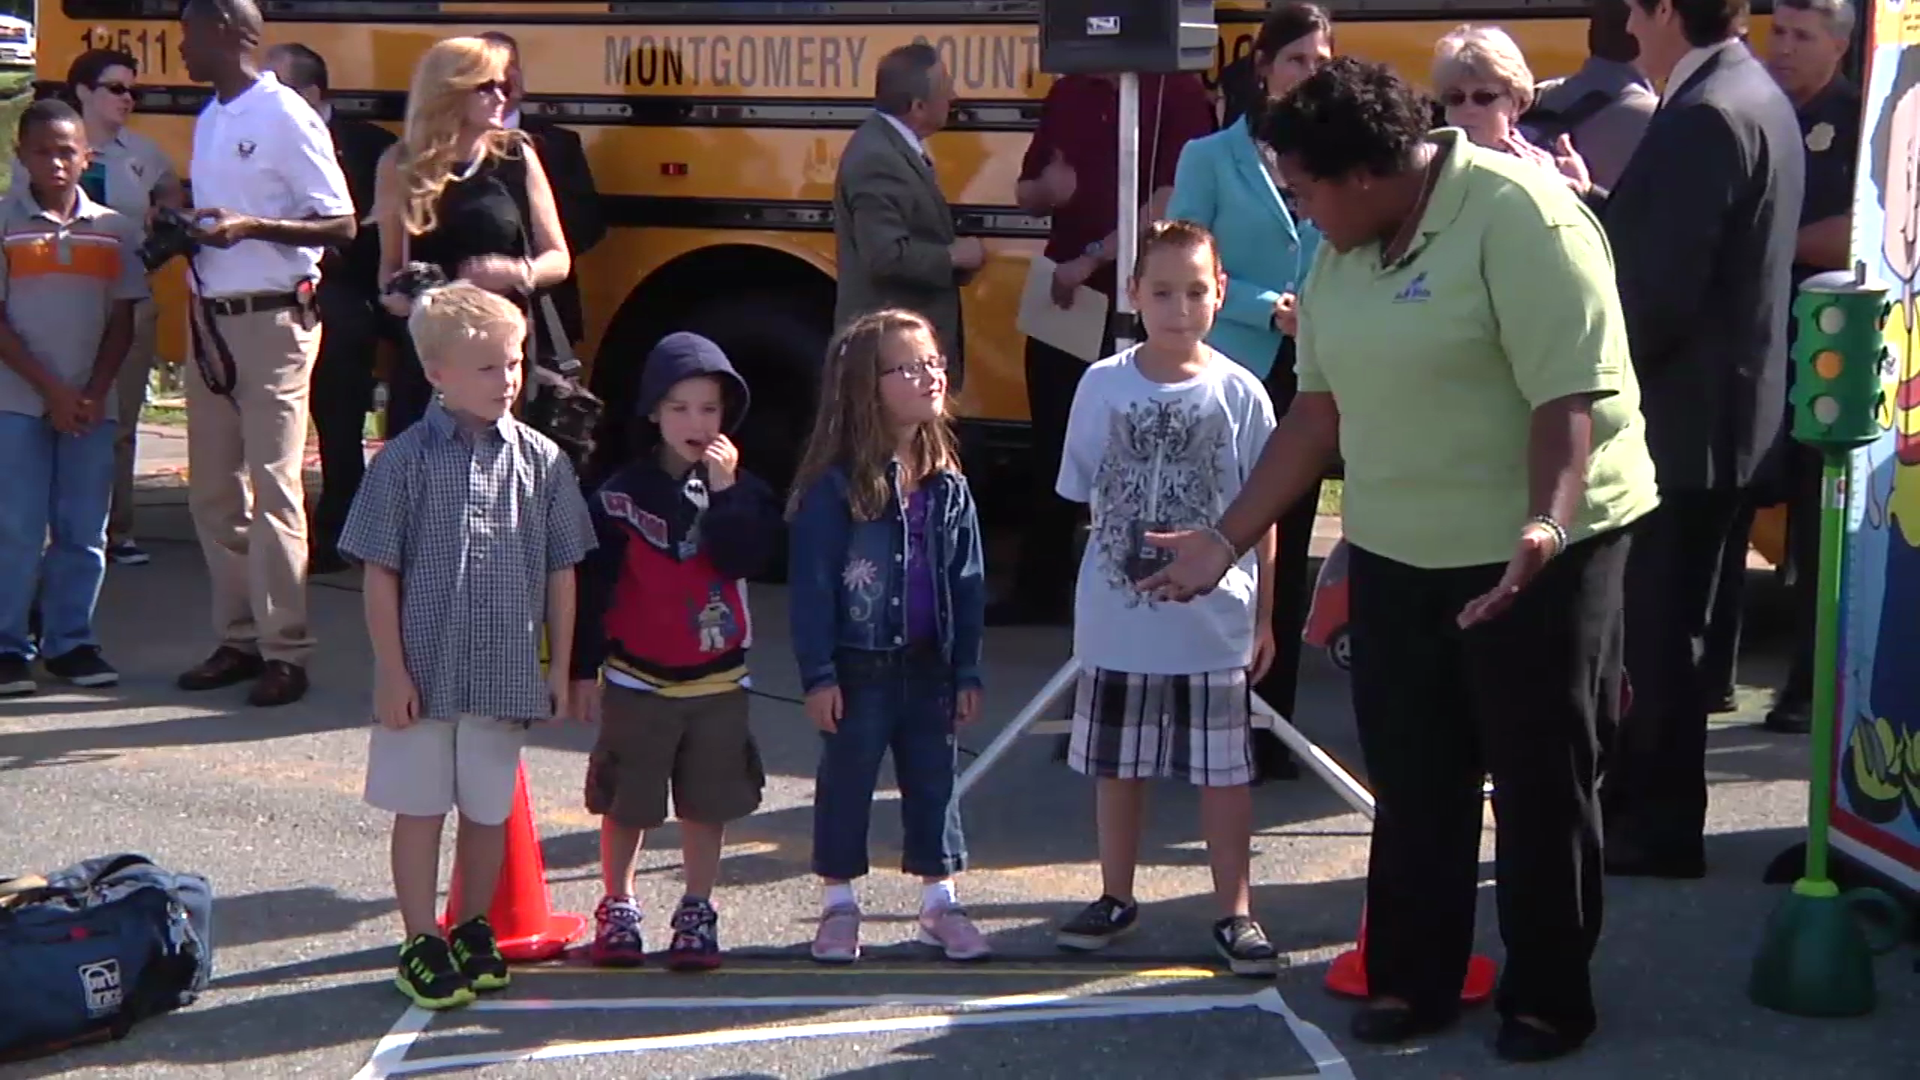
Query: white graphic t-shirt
(1148, 457)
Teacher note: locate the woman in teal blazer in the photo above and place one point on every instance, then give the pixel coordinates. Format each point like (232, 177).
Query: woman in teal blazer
(1224, 183)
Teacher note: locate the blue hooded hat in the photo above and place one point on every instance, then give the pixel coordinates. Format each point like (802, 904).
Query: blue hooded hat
(683, 355)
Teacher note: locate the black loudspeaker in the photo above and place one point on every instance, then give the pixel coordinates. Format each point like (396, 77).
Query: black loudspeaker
(1107, 37)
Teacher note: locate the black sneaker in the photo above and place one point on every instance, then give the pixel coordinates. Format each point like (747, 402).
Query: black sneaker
(477, 952)
(428, 976)
(696, 937)
(16, 676)
(1099, 924)
(83, 666)
(1240, 941)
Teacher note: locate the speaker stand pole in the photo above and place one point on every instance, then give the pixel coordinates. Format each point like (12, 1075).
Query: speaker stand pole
(1129, 217)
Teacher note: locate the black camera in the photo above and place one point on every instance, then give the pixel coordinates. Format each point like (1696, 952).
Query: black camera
(416, 278)
(170, 235)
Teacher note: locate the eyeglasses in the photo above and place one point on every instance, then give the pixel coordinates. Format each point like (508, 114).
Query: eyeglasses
(919, 370)
(114, 88)
(1453, 99)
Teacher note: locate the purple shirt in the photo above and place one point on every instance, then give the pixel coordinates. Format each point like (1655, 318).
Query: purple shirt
(923, 623)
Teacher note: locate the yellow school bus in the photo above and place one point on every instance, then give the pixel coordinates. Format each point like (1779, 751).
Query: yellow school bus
(714, 127)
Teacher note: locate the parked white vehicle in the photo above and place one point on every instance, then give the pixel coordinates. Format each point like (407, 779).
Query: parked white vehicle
(16, 42)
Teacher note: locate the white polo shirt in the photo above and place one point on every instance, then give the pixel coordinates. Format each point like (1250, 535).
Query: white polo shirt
(265, 154)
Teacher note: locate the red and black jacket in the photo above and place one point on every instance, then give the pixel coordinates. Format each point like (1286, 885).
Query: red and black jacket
(663, 598)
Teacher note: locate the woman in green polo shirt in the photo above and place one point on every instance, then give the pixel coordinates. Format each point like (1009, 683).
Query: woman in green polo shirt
(1462, 347)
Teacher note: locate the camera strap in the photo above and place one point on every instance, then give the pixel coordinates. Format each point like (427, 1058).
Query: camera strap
(207, 338)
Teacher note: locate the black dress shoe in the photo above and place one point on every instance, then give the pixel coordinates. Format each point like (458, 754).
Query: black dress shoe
(227, 666)
(1521, 1042)
(1790, 718)
(1397, 1023)
(280, 684)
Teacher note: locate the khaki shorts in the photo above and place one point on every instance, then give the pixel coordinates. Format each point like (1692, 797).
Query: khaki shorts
(700, 747)
(432, 766)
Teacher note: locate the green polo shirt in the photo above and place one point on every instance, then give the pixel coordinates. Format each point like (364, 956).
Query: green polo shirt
(1506, 301)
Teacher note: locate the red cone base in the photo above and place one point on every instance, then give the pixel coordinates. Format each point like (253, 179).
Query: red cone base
(1348, 974)
(529, 930)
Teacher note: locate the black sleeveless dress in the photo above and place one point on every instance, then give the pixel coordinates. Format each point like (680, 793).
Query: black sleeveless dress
(484, 213)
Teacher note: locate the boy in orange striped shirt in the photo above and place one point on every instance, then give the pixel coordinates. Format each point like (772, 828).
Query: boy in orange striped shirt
(70, 273)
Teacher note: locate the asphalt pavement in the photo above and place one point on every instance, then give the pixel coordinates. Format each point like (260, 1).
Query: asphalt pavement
(267, 805)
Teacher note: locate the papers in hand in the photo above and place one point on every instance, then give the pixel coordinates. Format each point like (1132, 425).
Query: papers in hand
(1077, 330)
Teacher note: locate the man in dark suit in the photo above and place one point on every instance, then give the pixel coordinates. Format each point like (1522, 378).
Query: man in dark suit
(342, 388)
(891, 224)
(1702, 225)
(564, 157)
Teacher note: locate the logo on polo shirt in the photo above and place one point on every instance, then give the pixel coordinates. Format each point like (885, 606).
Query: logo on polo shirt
(1415, 291)
(245, 148)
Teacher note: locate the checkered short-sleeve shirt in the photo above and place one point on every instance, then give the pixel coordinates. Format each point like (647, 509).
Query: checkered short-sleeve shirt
(473, 524)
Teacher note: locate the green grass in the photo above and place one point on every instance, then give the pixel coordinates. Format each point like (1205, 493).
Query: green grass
(1330, 492)
(16, 93)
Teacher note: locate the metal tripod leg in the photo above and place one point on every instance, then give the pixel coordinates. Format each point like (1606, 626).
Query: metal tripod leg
(1343, 783)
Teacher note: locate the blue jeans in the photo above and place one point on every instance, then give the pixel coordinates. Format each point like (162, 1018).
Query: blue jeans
(901, 701)
(53, 531)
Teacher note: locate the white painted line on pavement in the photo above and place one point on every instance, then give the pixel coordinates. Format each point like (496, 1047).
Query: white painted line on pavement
(837, 1001)
(391, 1051)
(1326, 1059)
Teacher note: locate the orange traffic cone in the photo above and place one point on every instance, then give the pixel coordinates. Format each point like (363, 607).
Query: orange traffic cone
(1348, 974)
(528, 929)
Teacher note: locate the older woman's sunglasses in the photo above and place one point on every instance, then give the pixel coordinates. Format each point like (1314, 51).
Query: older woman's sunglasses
(1453, 99)
(114, 88)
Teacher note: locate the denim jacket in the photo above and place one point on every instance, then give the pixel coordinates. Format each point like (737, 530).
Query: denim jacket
(848, 578)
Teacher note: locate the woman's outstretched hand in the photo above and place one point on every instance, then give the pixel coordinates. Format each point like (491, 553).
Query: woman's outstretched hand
(1201, 558)
(1537, 547)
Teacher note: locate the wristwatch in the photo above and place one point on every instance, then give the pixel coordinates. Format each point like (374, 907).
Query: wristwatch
(1093, 250)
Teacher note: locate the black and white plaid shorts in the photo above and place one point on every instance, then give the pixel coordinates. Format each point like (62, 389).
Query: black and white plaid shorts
(1196, 728)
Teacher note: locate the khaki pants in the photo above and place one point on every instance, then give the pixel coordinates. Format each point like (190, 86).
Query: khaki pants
(245, 488)
(130, 392)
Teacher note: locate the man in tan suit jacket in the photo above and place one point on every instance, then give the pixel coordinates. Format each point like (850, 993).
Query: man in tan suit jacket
(892, 225)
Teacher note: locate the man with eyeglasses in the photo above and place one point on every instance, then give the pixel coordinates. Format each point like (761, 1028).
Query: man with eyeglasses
(574, 195)
(350, 312)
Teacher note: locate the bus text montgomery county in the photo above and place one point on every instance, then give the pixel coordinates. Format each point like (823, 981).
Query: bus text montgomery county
(990, 62)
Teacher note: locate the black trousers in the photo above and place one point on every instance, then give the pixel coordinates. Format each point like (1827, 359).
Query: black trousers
(1720, 657)
(408, 391)
(1047, 569)
(1655, 787)
(1522, 698)
(341, 395)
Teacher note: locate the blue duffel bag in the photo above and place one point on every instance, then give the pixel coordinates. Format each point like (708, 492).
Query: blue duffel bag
(89, 951)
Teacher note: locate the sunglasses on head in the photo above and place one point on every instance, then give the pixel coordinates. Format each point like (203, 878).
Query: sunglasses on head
(1453, 99)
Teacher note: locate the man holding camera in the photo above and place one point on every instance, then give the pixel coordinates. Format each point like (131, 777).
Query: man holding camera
(269, 197)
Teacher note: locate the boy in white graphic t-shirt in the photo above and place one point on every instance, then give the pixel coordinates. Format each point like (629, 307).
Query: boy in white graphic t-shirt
(1161, 438)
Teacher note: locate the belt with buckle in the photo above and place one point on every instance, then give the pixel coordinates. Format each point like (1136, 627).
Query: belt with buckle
(243, 305)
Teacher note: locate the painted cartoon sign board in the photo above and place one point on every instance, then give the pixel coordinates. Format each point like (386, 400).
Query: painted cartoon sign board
(1876, 810)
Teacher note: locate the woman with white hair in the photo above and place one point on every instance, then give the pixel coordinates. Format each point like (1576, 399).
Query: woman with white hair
(464, 193)
(1483, 82)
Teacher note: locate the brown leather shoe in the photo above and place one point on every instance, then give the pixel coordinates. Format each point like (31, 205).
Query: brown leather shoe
(280, 684)
(227, 666)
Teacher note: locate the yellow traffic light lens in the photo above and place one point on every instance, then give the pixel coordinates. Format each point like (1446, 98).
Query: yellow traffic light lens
(1832, 319)
(1826, 410)
(1827, 363)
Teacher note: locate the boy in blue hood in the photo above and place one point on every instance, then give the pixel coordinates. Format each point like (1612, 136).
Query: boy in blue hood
(663, 615)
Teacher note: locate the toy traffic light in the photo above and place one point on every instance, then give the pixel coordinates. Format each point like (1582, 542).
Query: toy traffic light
(1839, 356)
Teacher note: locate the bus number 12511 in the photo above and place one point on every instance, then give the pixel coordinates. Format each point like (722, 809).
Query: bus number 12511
(149, 47)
